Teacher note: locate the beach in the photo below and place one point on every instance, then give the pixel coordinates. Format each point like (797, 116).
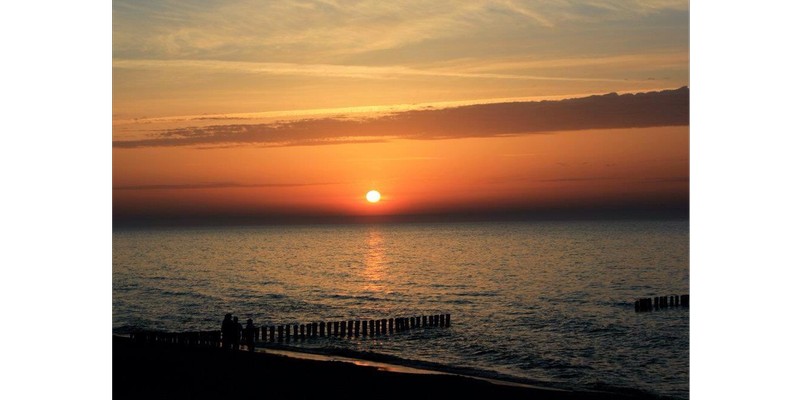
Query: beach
(157, 370)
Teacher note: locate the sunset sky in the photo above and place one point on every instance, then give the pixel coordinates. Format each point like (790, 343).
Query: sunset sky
(296, 109)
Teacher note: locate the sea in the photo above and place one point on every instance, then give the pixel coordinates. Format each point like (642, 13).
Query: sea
(545, 303)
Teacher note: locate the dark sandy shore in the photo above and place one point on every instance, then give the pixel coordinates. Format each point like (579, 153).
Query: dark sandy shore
(161, 371)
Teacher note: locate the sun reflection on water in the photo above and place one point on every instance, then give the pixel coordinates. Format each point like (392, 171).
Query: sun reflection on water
(374, 263)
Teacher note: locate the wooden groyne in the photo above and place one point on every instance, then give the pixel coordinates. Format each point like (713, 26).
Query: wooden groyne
(285, 333)
(354, 328)
(662, 302)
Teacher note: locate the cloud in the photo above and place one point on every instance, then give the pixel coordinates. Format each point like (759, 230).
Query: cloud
(680, 179)
(610, 111)
(217, 185)
(672, 59)
(329, 70)
(311, 30)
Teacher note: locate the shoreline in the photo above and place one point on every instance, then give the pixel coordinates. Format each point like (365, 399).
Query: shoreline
(395, 368)
(158, 370)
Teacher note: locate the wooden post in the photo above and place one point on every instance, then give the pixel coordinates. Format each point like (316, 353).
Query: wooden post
(296, 336)
(314, 327)
(342, 324)
(280, 333)
(413, 323)
(447, 320)
(371, 327)
(441, 320)
(636, 305)
(364, 328)
(419, 322)
(383, 326)
(391, 325)
(357, 328)
(272, 334)
(424, 320)
(350, 328)
(684, 300)
(322, 329)
(302, 331)
(329, 328)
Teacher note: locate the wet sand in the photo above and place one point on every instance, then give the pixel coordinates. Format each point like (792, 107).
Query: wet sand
(155, 371)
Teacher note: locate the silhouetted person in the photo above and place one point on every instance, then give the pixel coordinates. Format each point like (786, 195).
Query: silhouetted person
(227, 332)
(250, 335)
(237, 333)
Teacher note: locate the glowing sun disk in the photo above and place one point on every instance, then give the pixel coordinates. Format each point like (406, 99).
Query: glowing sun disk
(373, 196)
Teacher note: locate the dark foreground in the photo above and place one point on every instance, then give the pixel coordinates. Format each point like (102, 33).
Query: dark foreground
(161, 371)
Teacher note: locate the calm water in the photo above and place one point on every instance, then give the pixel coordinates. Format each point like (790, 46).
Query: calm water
(548, 302)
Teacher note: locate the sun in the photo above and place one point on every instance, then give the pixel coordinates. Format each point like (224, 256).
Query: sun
(373, 196)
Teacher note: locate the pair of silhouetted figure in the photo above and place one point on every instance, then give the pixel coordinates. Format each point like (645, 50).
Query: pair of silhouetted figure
(232, 333)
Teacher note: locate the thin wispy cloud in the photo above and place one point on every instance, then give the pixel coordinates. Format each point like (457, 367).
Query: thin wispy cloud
(329, 28)
(328, 70)
(217, 185)
(648, 61)
(666, 108)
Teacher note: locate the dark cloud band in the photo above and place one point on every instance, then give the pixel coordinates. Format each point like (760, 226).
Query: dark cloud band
(665, 108)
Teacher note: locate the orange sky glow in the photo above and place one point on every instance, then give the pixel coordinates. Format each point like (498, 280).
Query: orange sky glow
(299, 110)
